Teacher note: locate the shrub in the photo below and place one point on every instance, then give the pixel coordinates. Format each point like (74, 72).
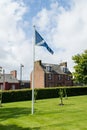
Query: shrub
(16, 95)
(26, 94)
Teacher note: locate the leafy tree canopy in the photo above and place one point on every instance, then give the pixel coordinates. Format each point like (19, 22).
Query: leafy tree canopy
(80, 74)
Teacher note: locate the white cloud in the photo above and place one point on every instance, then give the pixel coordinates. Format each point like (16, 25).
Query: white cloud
(13, 41)
(65, 30)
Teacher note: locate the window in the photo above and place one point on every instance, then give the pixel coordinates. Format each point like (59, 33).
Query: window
(65, 69)
(68, 78)
(13, 87)
(59, 77)
(48, 68)
(50, 76)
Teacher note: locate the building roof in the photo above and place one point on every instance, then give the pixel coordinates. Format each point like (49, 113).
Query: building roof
(54, 68)
(8, 78)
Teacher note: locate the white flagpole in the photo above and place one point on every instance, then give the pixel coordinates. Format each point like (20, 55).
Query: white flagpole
(33, 73)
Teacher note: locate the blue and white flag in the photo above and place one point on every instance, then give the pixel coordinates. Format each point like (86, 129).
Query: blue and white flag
(39, 41)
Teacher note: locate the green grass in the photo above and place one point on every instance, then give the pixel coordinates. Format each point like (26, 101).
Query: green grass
(48, 115)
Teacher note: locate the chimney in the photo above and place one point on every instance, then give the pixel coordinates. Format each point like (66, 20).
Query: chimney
(38, 62)
(14, 73)
(63, 64)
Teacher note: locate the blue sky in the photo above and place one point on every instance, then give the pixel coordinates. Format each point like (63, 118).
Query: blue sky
(62, 23)
(35, 6)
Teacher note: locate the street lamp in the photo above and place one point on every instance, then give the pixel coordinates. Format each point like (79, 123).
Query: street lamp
(21, 66)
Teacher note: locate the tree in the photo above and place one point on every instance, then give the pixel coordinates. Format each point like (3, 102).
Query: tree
(61, 93)
(80, 74)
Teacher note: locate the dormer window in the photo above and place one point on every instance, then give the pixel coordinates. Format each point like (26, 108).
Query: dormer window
(65, 69)
(48, 68)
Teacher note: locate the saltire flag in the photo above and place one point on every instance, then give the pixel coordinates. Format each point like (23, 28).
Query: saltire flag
(39, 41)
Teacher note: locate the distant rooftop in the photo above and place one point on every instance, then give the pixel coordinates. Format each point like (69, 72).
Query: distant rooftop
(55, 68)
(8, 78)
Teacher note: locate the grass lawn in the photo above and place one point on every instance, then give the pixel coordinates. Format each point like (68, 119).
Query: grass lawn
(48, 115)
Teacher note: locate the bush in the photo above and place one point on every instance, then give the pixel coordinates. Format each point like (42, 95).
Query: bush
(47, 93)
(16, 95)
(26, 94)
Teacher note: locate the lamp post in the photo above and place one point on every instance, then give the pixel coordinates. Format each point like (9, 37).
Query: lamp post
(21, 66)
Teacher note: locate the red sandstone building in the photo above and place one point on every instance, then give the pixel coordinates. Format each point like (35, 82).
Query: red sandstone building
(9, 81)
(51, 75)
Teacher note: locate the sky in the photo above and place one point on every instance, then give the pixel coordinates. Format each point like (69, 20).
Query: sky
(62, 24)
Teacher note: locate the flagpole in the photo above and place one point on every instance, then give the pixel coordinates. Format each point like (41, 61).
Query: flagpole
(33, 73)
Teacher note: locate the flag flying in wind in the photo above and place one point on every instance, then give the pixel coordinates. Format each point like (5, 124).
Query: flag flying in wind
(39, 41)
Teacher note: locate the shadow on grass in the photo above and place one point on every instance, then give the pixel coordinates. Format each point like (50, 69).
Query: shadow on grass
(66, 104)
(15, 127)
(15, 112)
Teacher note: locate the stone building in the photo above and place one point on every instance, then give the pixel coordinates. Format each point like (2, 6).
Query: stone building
(51, 75)
(9, 81)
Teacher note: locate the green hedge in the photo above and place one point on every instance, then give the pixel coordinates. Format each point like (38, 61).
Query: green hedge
(26, 94)
(54, 92)
(16, 95)
(47, 93)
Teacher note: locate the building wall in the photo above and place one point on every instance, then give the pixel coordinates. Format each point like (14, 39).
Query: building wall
(68, 80)
(38, 76)
(9, 86)
(54, 80)
(24, 84)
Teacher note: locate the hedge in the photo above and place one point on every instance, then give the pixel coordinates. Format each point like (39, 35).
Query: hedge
(16, 95)
(26, 94)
